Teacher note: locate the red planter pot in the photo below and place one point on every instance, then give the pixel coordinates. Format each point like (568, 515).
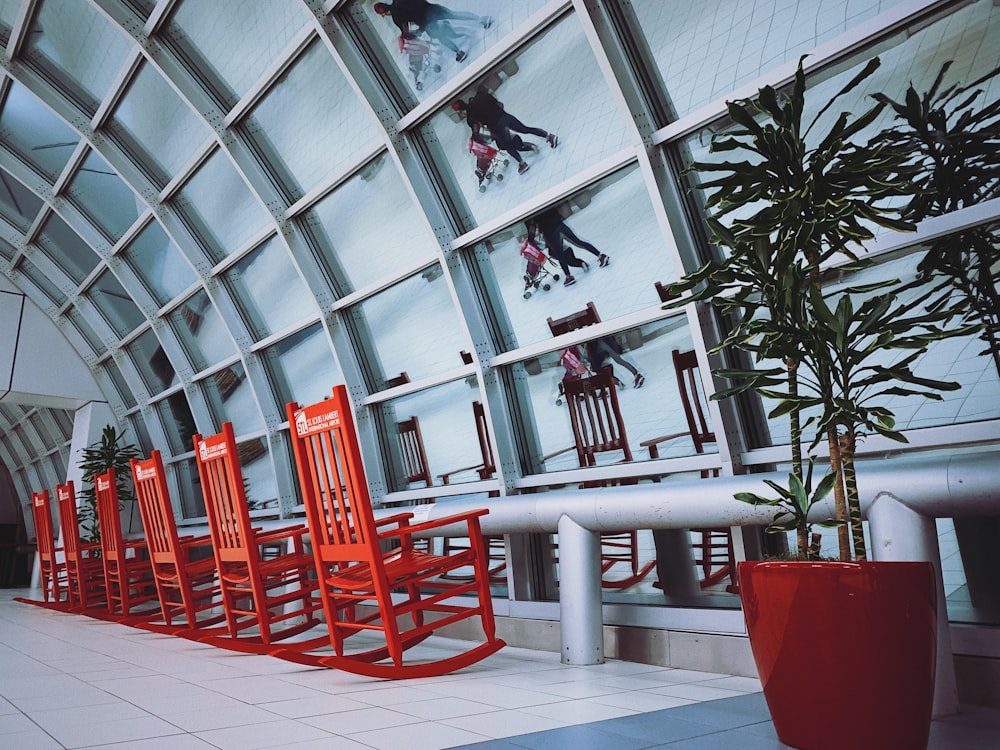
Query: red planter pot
(845, 651)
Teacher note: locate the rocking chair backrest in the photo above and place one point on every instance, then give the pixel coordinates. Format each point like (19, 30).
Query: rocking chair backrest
(68, 520)
(411, 445)
(489, 467)
(595, 417)
(109, 517)
(586, 317)
(225, 499)
(332, 478)
(45, 536)
(154, 506)
(690, 387)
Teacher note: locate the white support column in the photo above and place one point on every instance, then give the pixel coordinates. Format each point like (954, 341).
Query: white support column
(580, 617)
(900, 533)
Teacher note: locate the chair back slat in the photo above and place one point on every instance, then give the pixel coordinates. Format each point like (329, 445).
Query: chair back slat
(693, 398)
(109, 516)
(41, 510)
(331, 475)
(155, 508)
(596, 418)
(68, 519)
(225, 498)
(411, 445)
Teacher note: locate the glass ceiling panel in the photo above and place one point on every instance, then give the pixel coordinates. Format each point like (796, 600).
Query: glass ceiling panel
(115, 304)
(8, 15)
(302, 367)
(42, 281)
(152, 362)
(551, 86)
(178, 424)
(371, 210)
(159, 263)
(310, 123)
(412, 328)
(103, 197)
(231, 399)
(219, 208)
(155, 125)
(113, 372)
(67, 249)
(18, 204)
(230, 43)
(201, 331)
(7, 250)
(34, 133)
(80, 323)
(77, 49)
(255, 279)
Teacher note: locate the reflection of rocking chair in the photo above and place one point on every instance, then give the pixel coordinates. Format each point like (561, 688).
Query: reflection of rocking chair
(598, 427)
(714, 552)
(361, 561)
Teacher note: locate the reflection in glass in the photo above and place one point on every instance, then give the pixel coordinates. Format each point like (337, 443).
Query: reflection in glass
(555, 85)
(650, 404)
(532, 290)
(178, 424)
(152, 362)
(114, 373)
(230, 399)
(205, 338)
(253, 281)
(185, 487)
(230, 45)
(411, 329)
(79, 322)
(369, 228)
(301, 367)
(442, 423)
(18, 205)
(219, 207)
(159, 263)
(258, 474)
(66, 248)
(142, 439)
(115, 304)
(7, 250)
(77, 49)
(34, 133)
(103, 197)
(158, 129)
(297, 130)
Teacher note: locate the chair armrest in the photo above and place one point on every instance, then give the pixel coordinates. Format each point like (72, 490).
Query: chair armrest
(470, 518)
(400, 518)
(652, 443)
(195, 541)
(447, 475)
(558, 453)
(276, 535)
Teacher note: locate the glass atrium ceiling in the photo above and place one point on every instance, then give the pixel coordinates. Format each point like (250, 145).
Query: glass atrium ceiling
(225, 205)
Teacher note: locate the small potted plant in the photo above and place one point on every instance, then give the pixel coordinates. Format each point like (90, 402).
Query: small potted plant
(110, 452)
(797, 202)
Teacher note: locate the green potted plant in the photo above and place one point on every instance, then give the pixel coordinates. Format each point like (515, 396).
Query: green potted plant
(110, 452)
(797, 202)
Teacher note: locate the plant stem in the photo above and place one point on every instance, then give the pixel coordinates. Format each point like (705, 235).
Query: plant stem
(848, 443)
(839, 494)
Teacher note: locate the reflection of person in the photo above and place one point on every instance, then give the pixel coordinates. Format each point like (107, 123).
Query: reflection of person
(599, 351)
(484, 111)
(431, 18)
(553, 229)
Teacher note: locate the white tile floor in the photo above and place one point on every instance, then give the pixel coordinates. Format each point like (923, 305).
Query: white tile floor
(68, 681)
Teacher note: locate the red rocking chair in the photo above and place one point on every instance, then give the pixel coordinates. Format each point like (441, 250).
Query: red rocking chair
(361, 561)
(52, 568)
(84, 568)
(265, 600)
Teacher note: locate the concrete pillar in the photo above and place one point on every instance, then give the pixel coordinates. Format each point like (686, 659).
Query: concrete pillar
(580, 616)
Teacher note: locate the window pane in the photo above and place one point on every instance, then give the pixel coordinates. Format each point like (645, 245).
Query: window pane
(573, 236)
(7, 250)
(648, 405)
(253, 281)
(18, 205)
(444, 426)
(298, 131)
(67, 248)
(178, 424)
(83, 326)
(156, 127)
(570, 99)
(411, 328)
(152, 362)
(34, 133)
(115, 304)
(230, 43)
(230, 399)
(77, 49)
(185, 487)
(159, 263)
(369, 228)
(43, 281)
(138, 425)
(219, 207)
(103, 197)
(258, 474)
(302, 367)
(113, 372)
(202, 332)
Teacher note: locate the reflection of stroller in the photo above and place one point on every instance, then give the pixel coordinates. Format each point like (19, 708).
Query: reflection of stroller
(419, 52)
(536, 273)
(490, 163)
